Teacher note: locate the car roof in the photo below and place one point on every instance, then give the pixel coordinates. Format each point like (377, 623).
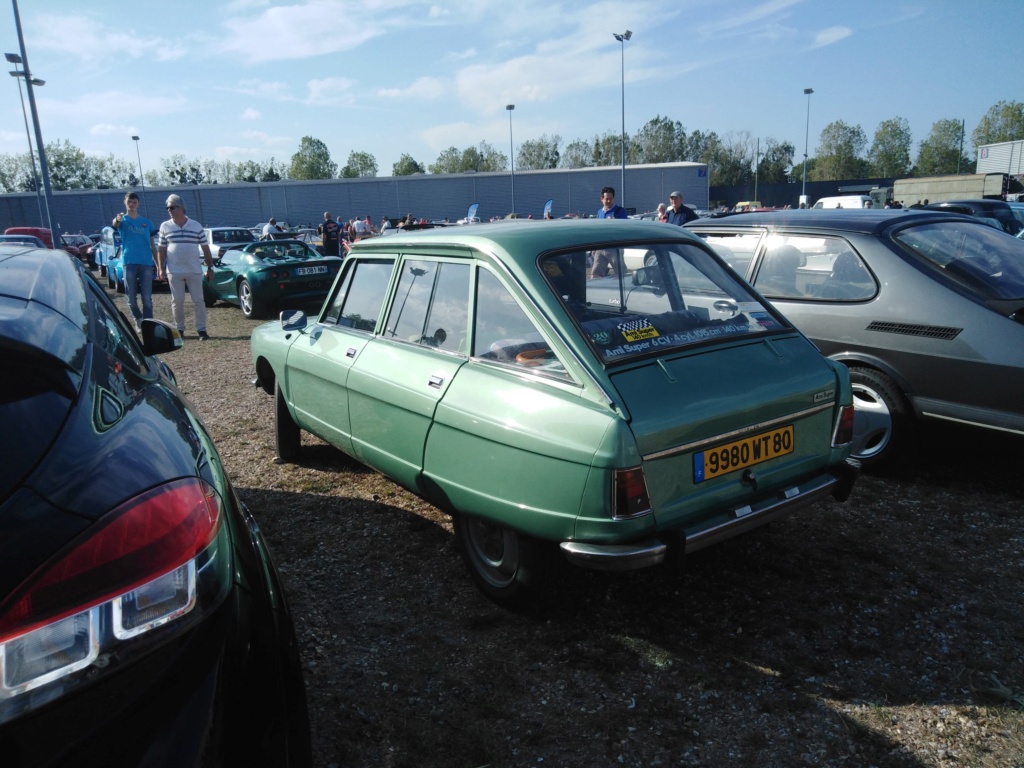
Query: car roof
(976, 205)
(523, 239)
(866, 220)
(42, 302)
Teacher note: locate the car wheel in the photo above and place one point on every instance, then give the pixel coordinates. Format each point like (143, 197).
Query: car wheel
(251, 306)
(650, 259)
(506, 565)
(883, 429)
(287, 434)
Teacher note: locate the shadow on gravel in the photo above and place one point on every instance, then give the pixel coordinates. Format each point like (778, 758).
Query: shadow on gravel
(843, 635)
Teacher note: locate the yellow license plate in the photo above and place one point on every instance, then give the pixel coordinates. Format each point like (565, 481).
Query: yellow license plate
(742, 453)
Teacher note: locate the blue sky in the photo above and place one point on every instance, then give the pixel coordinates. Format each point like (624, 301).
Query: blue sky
(247, 79)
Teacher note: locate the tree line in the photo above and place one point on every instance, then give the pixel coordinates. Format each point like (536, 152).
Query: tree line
(842, 153)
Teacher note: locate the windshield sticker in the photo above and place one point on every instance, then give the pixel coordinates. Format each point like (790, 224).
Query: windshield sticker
(749, 306)
(679, 339)
(764, 320)
(637, 330)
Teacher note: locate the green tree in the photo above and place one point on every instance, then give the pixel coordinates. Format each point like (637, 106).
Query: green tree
(775, 161)
(539, 154)
(660, 140)
(733, 161)
(312, 161)
(484, 157)
(359, 165)
(840, 151)
(406, 166)
(607, 149)
(66, 164)
(449, 161)
(578, 154)
(699, 147)
(889, 155)
(940, 153)
(1004, 121)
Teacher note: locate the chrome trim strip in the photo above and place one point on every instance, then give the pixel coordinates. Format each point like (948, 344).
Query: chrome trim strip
(727, 436)
(968, 422)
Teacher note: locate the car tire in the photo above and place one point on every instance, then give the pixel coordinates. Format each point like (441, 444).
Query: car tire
(883, 423)
(506, 565)
(287, 434)
(650, 259)
(252, 307)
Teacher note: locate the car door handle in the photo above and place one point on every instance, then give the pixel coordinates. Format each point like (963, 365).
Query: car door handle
(435, 381)
(350, 352)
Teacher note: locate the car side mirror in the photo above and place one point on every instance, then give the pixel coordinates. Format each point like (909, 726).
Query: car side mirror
(159, 337)
(293, 320)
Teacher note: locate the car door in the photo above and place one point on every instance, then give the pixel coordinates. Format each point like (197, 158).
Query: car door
(319, 362)
(402, 373)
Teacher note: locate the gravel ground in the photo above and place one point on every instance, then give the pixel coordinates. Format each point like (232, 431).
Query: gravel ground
(887, 631)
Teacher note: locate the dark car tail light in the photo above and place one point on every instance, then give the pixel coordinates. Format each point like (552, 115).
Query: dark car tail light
(154, 562)
(631, 497)
(843, 433)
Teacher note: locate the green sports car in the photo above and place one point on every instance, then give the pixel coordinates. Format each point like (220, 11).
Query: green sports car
(268, 275)
(616, 421)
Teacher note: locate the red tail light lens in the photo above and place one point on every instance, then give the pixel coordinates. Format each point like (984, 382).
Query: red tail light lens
(150, 563)
(631, 497)
(843, 434)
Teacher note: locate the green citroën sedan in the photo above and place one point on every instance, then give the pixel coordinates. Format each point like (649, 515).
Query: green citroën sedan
(557, 403)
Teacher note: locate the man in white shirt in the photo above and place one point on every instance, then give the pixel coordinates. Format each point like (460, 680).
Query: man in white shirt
(178, 250)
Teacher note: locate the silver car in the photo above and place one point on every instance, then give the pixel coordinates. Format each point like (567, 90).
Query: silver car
(925, 308)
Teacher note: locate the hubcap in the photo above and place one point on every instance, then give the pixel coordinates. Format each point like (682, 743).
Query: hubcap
(872, 422)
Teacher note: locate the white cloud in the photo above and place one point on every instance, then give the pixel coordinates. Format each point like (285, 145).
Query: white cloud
(830, 36)
(423, 89)
(250, 114)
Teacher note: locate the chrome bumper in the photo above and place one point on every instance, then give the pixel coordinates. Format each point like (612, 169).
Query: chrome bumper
(837, 483)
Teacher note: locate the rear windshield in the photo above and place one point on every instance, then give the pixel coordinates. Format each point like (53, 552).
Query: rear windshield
(651, 299)
(979, 257)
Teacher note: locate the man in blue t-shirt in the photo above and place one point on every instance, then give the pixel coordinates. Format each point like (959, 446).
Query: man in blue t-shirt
(608, 210)
(138, 256)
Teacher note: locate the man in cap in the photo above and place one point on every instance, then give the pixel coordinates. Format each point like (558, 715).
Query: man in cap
(679, 214)
(178, 251)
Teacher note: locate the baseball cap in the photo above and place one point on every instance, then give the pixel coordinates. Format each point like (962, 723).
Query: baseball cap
(676, 194)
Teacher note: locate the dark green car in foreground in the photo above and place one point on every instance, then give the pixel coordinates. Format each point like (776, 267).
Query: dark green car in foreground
(267, 275)
(616, 421)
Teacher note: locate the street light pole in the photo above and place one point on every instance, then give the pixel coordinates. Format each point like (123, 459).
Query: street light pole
(622, 39)
(141, 178)
(807, 133)
(16, 59)
(512, 154)
(39, 134)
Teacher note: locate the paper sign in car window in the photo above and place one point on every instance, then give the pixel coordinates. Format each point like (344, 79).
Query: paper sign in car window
(637, 330)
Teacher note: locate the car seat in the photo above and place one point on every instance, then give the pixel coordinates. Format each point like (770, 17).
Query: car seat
(849, 279)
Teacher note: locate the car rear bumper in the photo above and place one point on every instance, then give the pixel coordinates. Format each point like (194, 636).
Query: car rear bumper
(837, 483)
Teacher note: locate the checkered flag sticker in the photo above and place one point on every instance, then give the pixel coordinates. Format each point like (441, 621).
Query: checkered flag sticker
(636, 329)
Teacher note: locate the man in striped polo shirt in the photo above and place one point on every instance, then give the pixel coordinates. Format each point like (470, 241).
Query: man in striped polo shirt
(178, 250)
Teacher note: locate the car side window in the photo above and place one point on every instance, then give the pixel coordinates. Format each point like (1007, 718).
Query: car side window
(431, 305)
(359, 296)
(813, 267)
(736, 249)
(111, 333)
(503, 332)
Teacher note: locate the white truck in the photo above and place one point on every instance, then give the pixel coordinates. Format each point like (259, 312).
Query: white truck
(935, 189)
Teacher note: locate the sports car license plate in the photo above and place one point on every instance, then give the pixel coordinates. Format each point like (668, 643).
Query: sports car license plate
(300, 271)
(742, 453)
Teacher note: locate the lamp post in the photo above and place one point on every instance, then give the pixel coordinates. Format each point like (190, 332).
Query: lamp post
(14, 58)
(512, 154)
(622, 39)
(141, 178)
(807, 133)
(39, 134)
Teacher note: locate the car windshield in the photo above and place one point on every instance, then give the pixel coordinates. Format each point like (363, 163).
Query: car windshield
(232, 236)
(654, 299)
(271, 251)
(977, 256)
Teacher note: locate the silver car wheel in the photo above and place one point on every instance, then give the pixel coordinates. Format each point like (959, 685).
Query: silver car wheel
(493, 550)
(872, 422)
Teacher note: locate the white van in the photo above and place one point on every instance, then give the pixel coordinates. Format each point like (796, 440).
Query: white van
(845, 201)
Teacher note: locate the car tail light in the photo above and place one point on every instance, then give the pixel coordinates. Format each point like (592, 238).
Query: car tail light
(631, 497)
(153, 562)
(843, 433)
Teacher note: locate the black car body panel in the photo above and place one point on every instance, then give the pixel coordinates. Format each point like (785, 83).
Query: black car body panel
(102, 424)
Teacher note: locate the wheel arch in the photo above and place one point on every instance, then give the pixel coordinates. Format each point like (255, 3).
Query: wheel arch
(859, 359)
